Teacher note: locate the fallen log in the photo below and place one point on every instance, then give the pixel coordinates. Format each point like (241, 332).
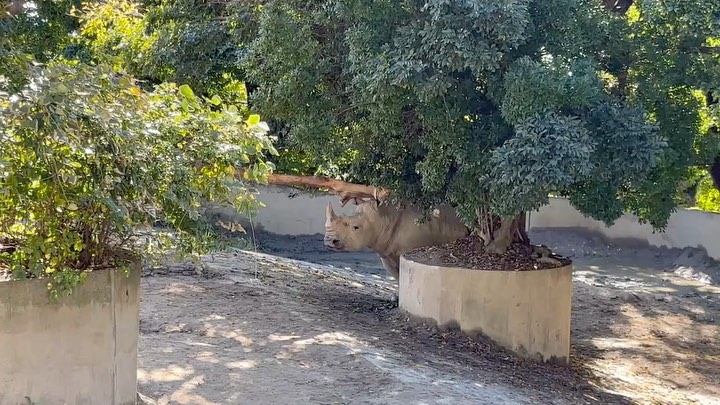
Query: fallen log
(347, 191)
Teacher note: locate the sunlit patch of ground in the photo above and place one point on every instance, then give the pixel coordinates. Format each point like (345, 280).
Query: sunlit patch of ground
(257, 328)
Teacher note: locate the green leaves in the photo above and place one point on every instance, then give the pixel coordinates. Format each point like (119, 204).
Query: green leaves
(253, 119)
(708, 197)
(478, 104)
(549, 153)
(552, 85)
(186, 91)
(107, 160)
(415, 96)
(215, 100)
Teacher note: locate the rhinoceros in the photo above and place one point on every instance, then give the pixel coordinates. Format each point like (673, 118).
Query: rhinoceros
(390, 231)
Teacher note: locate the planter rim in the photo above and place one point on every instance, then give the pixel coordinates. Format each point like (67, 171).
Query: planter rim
(134, 264)
(455, 268)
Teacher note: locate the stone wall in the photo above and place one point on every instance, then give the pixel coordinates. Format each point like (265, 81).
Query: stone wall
(288, 211)
(80, 350)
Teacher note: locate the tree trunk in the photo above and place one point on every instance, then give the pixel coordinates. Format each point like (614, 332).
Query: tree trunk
(499, 233)
(715, 172)
(13, 8)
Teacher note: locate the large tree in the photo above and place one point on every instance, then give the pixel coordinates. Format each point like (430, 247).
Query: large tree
(492, 107)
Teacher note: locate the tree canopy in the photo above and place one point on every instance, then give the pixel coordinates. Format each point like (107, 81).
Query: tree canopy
(497, 105)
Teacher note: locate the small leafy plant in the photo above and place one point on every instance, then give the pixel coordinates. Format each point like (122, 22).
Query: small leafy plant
(89, 163)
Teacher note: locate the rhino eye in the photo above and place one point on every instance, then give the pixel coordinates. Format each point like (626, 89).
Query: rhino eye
(355, 227)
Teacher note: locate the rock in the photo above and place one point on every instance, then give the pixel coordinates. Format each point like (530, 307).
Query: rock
(702, 318)
(692, 273)
(549, 260)
(542, 250)
(628, 296)
(690, 257)
(145, 400)
(695, 264)
(663, 297)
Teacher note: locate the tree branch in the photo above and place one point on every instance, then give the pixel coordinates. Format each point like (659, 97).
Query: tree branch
(710, 50)
(347, 191)
(617, 6)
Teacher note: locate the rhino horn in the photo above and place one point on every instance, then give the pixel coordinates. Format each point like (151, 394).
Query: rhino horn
(330, 213)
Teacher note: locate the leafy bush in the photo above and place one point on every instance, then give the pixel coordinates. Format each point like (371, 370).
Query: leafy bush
(198, 43)
(707, 197)
(40, 28)
(89, 162)
(114, 32)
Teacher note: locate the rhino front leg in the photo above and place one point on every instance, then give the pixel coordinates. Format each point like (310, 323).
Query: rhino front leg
(392, 266)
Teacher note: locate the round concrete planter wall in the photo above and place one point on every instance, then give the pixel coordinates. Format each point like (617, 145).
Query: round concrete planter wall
(527, 312)
(80, 349)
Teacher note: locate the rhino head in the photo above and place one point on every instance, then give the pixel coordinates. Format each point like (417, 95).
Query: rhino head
(351, 233)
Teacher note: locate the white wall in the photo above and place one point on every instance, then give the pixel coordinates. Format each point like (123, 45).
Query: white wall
(288, 211)
(304, 213)
(292, 212)
(686, 228)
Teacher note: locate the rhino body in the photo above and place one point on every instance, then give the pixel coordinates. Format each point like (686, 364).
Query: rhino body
(391, 231)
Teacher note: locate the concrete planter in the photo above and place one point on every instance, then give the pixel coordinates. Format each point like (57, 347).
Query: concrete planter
(79, 350)
(527, 312)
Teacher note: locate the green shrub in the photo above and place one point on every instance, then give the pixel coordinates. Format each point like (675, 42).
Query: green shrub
(89, 162)
(708, 197)
(485, 107)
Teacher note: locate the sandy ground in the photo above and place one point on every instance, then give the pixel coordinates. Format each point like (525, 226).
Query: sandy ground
(290, 323)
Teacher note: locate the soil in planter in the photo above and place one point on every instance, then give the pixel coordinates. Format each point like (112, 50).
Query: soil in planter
(467, 253)
(115, 258)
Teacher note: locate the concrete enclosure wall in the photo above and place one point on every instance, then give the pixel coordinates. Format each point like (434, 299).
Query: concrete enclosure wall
(527, 312)
(686, 228)
(289, 211)
(293, 212)
(79, 350)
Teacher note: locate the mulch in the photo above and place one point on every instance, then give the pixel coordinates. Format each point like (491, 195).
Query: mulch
(467, 253)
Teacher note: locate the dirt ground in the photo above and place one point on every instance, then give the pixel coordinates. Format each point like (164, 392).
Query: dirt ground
(288, 322)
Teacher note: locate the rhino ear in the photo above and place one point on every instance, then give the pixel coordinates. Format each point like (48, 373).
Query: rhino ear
(369, 206)
(329, 213)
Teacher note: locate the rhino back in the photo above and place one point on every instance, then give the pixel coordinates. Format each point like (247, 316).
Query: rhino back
(442, 228)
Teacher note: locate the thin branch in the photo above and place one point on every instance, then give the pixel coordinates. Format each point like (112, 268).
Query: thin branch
(617, 6)
(710, 50)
